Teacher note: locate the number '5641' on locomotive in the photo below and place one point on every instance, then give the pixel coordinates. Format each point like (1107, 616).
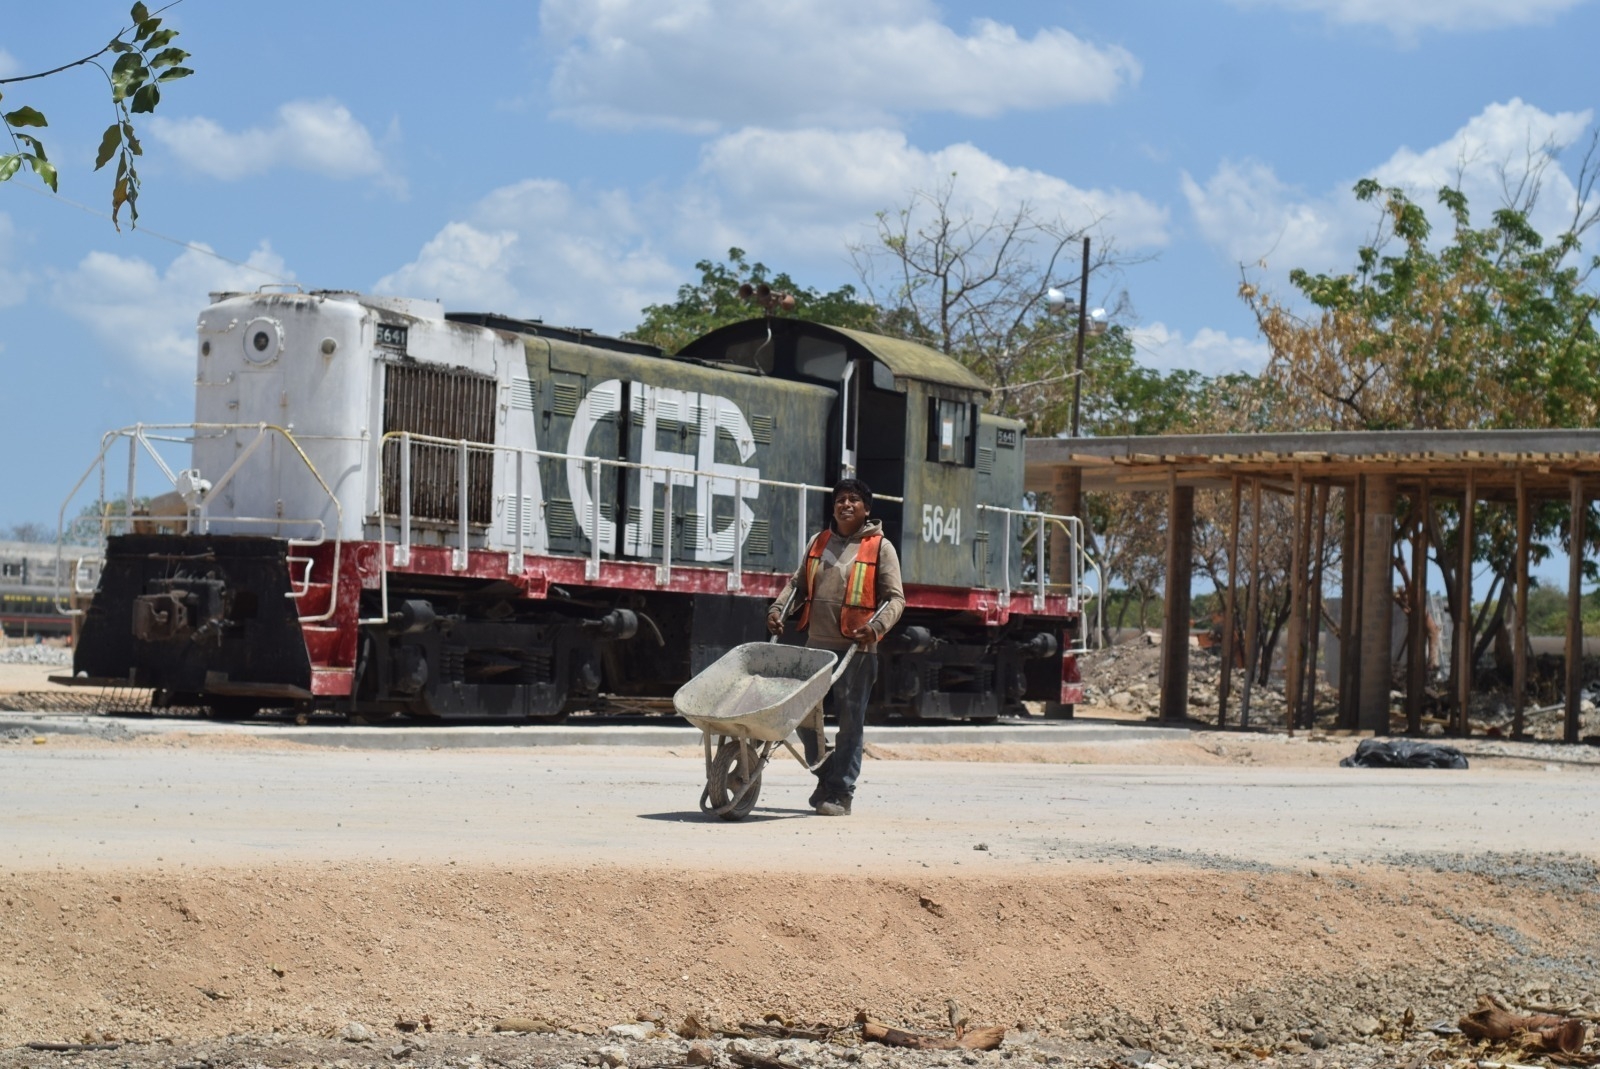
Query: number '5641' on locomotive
(388, 509)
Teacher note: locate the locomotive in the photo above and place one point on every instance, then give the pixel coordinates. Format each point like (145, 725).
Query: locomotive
(389, 509)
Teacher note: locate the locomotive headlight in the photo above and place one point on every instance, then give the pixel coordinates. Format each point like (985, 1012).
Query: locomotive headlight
(263, 341)
(329, 346)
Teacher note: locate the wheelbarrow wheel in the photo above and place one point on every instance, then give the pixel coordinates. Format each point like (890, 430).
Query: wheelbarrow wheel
(734, 766)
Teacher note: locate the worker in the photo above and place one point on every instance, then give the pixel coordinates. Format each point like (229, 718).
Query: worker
(846, 590)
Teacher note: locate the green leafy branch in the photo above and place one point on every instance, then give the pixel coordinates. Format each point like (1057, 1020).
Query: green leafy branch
(146, 59)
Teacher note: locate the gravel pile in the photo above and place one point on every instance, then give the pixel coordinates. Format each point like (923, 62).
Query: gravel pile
(36, 654)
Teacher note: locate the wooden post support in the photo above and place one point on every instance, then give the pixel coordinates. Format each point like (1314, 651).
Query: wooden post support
(1350, 609)
(1377, 605)
(1574, 612)
(1252, 623)
(1519, 652)
(1417, 634)
(1321, 494)
(1295, 653)
(1469, 508)
(1230, 612)
(1066, 493)
(1175, 623)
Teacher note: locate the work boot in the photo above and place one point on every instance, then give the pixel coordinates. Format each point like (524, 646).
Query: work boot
(816, 796)
(834, 807)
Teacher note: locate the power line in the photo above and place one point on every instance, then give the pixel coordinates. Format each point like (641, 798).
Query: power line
(190, 245)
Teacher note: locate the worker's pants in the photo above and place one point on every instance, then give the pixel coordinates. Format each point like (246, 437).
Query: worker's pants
(847, 703)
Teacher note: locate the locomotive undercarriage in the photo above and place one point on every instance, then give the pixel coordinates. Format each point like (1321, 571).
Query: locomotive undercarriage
(209, 621)
(942, 666)
(471, 657)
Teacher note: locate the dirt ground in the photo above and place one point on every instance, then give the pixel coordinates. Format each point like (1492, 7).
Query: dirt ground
(1159, 964)
(346, 963)
(1168, 960)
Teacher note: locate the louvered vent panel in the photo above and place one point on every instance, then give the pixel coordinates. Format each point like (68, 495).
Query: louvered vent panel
(761, 429)
(565, 397)
(985, 460)
(759, 541)
(524, 394)
(560, 518)
(525, 509)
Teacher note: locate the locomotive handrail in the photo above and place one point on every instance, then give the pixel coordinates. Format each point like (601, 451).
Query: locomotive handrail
(1078, 559)
(1070, 526)
(196, 518)
(593, 466)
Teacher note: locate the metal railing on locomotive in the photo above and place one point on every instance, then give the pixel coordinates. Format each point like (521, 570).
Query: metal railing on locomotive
(516, 554)
(1080, 565)
(1071, 526)
(197, 518)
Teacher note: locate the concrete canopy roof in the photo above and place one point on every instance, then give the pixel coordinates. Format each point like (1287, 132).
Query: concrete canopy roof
(1547, 459)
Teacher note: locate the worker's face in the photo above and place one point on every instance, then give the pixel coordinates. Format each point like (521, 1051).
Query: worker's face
(849, 512)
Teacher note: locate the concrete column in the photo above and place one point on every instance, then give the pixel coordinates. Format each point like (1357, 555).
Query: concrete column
(1377, 605)
(1175, 622)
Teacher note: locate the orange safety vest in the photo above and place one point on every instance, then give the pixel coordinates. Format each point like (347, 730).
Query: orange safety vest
(860, 588)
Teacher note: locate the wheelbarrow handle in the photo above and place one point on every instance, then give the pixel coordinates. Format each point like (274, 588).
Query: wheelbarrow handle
(844, 662)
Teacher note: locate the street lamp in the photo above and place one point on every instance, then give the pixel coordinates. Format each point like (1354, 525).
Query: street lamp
(1060, 302)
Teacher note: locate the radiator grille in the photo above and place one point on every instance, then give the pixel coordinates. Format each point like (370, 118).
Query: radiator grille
(442, 403)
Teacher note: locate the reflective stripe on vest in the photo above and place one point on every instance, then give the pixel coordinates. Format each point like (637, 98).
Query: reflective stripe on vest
(860, 587)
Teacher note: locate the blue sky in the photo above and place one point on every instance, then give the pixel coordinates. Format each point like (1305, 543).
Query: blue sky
(571, 160)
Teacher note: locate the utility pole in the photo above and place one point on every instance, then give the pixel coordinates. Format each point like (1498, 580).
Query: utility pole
(1083, 315)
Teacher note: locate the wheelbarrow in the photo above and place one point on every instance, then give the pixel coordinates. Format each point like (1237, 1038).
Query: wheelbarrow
(748, 703)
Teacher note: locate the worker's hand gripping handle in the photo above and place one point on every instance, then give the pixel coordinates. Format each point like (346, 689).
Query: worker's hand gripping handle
(783, 614)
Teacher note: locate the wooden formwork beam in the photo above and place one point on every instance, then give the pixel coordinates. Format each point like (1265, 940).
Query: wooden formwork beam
(1575, 536)
(1175, 627)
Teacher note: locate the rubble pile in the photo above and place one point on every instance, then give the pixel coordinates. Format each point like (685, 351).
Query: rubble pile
(1127, 678)
(36, 653)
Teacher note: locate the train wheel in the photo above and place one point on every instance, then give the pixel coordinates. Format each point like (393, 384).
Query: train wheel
(734, 765)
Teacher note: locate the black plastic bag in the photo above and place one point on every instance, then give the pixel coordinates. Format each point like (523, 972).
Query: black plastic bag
(1403, 753)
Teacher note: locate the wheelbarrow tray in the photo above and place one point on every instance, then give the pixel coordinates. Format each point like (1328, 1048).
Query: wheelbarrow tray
(759, 691)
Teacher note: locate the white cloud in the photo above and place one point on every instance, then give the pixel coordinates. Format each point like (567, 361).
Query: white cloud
(540, 248)
(1406, 17)
(319, 136)
(794, 200)
(1250, 215)
(713, 64)
(811, 192)
(1211, 352)
(145, 315)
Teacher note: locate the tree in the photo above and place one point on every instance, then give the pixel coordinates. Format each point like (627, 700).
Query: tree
(146, 59)
(31, 532)
(973, 286)
(1491, 327)
(1496, 328)
(715, 302)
